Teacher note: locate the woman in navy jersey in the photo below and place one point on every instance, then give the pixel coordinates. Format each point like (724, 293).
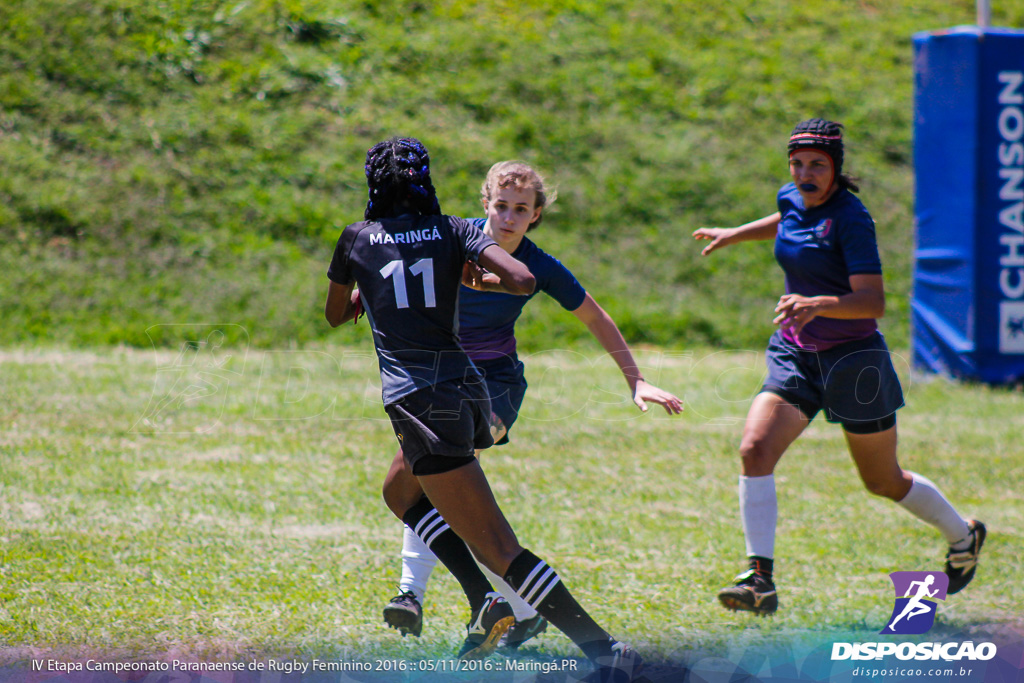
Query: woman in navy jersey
(408, 259)
(514, 196)
(827, 355)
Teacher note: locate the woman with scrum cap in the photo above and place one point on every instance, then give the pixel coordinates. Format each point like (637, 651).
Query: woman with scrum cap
(827, 355)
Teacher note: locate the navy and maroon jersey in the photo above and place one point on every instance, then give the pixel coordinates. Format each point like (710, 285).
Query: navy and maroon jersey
(487, 320)
(819, 249)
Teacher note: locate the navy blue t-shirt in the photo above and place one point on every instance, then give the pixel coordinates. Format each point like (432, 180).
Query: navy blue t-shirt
(487, 320)
(819, 249)
(409, 272)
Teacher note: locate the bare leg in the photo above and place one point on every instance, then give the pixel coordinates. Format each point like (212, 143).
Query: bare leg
(464, 499)
(772, 425)
(461, 504)
(418, 561)
(875, 457)
(401, 488)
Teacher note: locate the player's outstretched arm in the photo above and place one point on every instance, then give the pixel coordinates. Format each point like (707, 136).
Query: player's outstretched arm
(514, 276)
(761, 229)
(608, 335)
(342, 304)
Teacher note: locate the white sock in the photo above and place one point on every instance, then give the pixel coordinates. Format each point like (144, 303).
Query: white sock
(926, 502)
(417, 564)
(520, 607)
(759, 509)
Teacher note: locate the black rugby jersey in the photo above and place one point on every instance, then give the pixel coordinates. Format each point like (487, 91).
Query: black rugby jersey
(408, 270)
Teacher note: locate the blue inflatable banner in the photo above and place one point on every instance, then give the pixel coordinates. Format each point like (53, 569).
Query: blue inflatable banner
(968, 301)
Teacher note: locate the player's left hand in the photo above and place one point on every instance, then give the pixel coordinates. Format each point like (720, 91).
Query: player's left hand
(795, 311)
(644, 392)
(357, 304)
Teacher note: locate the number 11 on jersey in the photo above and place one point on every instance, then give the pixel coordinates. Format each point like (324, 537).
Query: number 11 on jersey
(424, 267)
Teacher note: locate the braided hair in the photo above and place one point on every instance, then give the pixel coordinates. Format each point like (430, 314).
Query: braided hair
(398, 178)
(826, 137)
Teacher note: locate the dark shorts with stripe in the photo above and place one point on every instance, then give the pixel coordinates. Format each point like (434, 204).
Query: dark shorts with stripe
(440, 427)
(854, 383)
(506, 385)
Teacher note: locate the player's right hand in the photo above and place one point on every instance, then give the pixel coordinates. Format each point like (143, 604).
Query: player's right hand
(472, 275)
(719, 238)
(475, 277)
(645, 392)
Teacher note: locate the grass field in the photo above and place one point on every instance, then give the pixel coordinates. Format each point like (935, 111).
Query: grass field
(196, 159)
(222, 503)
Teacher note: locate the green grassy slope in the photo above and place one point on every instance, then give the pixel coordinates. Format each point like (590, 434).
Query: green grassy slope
(192, 161)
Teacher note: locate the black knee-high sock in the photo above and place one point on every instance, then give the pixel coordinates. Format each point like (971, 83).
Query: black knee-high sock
(451, 550)
(541, 587)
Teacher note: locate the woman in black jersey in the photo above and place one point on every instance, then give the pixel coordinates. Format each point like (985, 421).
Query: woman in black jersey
(408, 261)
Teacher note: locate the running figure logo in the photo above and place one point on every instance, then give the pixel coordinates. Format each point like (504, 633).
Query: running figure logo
(916, 593)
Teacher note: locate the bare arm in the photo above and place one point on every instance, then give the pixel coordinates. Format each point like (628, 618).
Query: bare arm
(608, 335)
(761, 229)
(342, 303)
(515, 277)
(867, 300)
